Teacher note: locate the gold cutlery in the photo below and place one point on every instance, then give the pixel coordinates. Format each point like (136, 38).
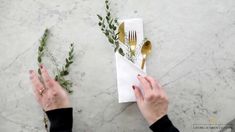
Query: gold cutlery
(132, 37)
(145, 51)
(121, 31)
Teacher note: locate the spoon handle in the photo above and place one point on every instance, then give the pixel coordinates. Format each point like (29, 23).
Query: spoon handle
(143, 62)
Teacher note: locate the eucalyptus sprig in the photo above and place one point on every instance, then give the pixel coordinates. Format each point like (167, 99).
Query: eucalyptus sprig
(108, 26)
(42, 47)
(60, 77)
(64, 71)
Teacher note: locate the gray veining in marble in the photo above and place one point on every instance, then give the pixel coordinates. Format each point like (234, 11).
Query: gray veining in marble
(193, 58)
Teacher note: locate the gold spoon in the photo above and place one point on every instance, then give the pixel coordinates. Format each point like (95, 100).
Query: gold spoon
(145, 51)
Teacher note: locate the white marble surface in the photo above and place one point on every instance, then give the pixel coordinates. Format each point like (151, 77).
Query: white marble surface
(193, 57)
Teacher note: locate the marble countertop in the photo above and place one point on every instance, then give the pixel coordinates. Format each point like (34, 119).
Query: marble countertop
(193, 58)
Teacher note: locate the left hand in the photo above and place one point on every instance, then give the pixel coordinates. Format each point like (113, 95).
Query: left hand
(49, 94)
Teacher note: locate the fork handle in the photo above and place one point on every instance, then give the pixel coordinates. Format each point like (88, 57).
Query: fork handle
(143, 62)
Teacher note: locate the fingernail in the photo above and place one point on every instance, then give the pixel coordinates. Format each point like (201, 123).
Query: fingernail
(41, 66)
(133, 87)
(30, 71)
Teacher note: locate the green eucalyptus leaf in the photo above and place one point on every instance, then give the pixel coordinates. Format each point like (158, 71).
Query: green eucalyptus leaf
(61, 73)
(39, 59)
(67, 65)
(71, 57)
(70, 91)
(67, 61)
(107, 18)
(40, 48)
(100, 24)
(110, 40)
(100, 18)
(66, 72)
(39, 71)
(110, 26)
(121, 51)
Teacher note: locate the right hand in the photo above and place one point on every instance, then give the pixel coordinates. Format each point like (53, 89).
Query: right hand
(153, 102)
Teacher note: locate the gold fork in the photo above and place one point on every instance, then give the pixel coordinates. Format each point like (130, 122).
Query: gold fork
(132, 37)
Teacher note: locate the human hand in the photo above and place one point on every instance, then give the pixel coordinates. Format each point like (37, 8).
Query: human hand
(49, 94)
(153, 102)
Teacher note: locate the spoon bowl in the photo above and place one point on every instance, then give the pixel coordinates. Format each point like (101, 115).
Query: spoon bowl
(145, 51)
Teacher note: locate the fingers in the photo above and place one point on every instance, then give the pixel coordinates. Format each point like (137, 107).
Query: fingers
(138, 94)
(37, 85)
(146, 85)
(49, 82)
(157, 89)
(152, 82)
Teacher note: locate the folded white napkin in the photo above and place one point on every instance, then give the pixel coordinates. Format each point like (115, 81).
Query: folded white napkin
(127, 71)
(127, 74)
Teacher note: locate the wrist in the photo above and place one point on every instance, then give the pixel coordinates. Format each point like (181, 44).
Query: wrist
(154, 119)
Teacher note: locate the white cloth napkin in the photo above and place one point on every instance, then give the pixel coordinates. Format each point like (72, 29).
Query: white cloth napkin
(127, 74)
(127, 71)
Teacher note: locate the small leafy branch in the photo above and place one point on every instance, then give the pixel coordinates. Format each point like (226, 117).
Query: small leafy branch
(108, 25)
(42, 47)
(67, 84)
(64, 71)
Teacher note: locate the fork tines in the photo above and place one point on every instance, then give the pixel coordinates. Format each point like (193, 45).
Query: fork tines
(132, 35)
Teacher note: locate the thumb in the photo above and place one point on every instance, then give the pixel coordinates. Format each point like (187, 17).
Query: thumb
(138, 94)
